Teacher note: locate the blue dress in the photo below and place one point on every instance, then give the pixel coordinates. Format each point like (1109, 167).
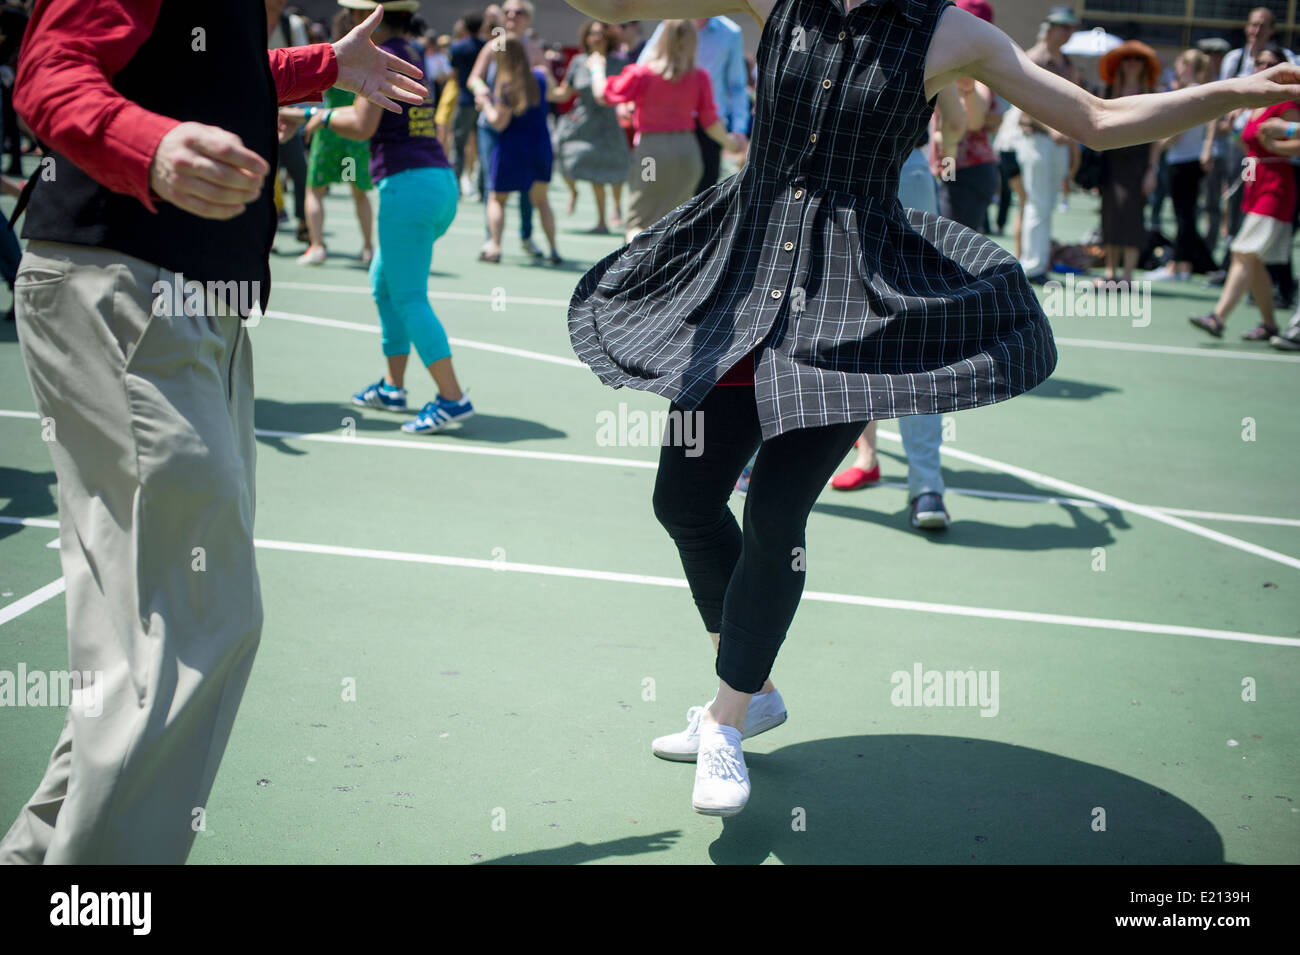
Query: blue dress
(523, 154)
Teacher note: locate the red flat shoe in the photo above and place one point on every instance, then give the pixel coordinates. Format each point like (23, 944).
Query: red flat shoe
(854, 478)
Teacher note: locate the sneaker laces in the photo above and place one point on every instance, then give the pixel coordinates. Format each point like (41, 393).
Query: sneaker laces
(721, 763)
(693, 717)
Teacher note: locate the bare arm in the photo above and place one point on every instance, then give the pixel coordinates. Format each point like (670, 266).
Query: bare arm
(358, 121)
(953, 120)
(965, 45)
(1273, 133)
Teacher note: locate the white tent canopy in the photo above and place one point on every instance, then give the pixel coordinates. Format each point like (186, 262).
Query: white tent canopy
(1094, 42)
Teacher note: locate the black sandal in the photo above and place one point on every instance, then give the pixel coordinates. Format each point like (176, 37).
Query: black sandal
(1208, 323)
(1260, 333)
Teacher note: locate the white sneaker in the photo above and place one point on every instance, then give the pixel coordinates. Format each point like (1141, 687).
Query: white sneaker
(530, 248)
(766, 711)
(721, 777)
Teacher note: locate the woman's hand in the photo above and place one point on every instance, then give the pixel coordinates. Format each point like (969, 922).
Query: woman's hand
(375, 74)
(1276, 85)
(316, 122)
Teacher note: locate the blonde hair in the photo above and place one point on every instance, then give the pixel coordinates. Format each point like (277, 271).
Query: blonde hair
(516, 86)
(1198, 61)
(674, 53)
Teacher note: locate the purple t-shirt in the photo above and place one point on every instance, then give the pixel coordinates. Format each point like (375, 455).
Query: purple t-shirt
(406, 140)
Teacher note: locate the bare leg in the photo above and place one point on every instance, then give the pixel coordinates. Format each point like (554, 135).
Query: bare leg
(598, 189)
(496, 220)
(365, 219)
(538, 194)
(396, 370)
(1261, 286)
(315, 209)
(618, 205)
(445, 378)
(573, 194)
(1235, 285)
(866, 446)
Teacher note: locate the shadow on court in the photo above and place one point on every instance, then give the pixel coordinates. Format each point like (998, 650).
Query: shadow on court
(1089, 527)
(950, 800)
(925, 800)
(1056, 387)
(322, 417)
(30, 494)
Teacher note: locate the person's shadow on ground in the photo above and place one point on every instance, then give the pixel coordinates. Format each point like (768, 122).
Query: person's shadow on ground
(934, 800)
(951, 800)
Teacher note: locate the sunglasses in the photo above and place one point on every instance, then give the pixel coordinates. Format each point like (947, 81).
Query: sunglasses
(516, 13)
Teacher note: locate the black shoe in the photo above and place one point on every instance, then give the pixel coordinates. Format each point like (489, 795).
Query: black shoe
(1039, 279)
(1216, 279)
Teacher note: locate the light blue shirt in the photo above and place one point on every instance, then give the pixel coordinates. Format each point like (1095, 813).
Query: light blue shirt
(917, 188)
(721, 54)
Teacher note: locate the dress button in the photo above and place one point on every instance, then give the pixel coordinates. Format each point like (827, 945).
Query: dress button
(826, 84)
(789, 246)
(776, 293)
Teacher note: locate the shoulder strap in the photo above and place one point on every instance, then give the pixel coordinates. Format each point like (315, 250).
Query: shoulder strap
(25, 196)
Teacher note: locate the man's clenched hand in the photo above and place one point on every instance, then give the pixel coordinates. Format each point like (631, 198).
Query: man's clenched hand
(207, 171)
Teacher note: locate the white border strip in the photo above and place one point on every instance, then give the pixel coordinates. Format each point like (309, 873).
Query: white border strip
(879, 602)
(34, 599)
(38, 597)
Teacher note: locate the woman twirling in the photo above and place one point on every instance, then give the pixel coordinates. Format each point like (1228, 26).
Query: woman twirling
(849, 307)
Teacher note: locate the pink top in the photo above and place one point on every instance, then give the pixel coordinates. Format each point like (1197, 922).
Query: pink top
(663, 107)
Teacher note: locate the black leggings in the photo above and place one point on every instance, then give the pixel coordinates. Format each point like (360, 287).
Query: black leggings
(746, 584)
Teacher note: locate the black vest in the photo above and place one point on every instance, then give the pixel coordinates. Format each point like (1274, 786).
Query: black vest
(205, 62)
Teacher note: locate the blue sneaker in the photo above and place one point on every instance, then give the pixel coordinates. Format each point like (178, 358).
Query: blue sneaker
(928, 512)
(437, 415)
(742, 483)
(381, 395)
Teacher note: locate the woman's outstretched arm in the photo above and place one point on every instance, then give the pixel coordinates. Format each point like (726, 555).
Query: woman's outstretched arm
(965, 45)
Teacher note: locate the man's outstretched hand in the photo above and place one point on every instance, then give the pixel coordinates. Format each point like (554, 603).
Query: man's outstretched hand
(207, 171)
(376, 74)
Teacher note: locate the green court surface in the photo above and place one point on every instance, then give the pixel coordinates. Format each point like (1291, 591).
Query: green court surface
(1124, 556)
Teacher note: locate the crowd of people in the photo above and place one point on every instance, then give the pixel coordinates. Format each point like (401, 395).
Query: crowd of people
(722, 291)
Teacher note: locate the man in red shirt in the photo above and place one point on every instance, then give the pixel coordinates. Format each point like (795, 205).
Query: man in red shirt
(148, 233)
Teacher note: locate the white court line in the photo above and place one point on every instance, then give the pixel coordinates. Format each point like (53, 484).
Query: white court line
(418, 445)
(880, 602)
(462, 342)
(885, 603)
(457, 449)
(34, 599)
(562, 303)
(1115, 502)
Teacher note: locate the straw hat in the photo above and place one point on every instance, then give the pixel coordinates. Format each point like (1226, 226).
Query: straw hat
(1108, 67)
(392, 6)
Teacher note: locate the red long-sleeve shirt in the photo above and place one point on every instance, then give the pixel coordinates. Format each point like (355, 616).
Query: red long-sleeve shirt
(70, 54)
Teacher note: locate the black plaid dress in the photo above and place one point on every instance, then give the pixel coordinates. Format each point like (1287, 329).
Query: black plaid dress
(855, 308)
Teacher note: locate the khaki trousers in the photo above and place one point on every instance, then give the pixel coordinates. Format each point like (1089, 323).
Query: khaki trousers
(152, 442)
